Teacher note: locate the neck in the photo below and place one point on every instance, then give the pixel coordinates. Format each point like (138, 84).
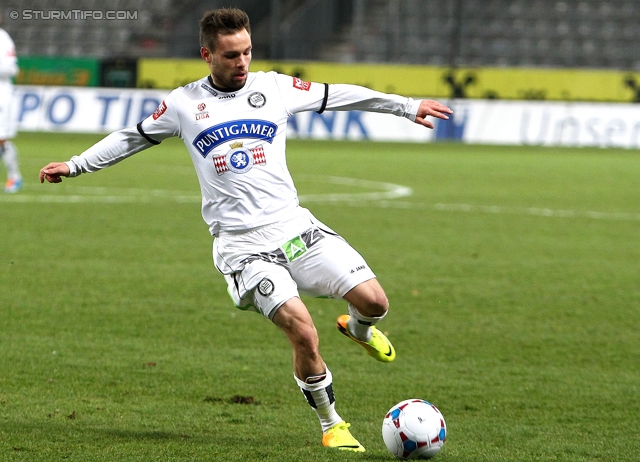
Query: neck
(222, 89)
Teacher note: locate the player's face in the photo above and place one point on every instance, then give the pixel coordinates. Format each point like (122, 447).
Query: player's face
(229, 62)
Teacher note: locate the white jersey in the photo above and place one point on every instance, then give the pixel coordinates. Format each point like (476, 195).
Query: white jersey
(8, 59)
(237, 141)
(8, 70)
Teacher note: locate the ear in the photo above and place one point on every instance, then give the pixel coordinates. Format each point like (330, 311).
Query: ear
(205, 54)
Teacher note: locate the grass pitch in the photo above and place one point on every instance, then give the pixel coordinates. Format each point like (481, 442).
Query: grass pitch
(513, 277)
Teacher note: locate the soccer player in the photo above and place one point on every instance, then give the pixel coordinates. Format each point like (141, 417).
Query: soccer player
(269, 249)
(8, 151)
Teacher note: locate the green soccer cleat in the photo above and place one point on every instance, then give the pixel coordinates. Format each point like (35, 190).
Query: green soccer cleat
(378, 345)
(339, 437)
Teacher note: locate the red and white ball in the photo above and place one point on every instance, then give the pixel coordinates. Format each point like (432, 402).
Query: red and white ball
(414, 429)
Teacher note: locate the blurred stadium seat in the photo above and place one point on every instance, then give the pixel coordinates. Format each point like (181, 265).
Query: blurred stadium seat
(548, 33)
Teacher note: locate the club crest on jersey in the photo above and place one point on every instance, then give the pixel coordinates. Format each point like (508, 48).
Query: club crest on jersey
(239, 159)
(236, 129)
(257, 99)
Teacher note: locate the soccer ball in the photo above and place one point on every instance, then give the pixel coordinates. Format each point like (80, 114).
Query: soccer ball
(414, 429)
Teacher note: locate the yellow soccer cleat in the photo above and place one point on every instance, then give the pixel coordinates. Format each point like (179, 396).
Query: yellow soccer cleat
(339, 437)
(378, 345)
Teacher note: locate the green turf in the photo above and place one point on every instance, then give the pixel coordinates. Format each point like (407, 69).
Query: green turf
(513, 276)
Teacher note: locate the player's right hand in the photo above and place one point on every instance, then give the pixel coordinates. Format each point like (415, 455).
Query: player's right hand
(54, 172)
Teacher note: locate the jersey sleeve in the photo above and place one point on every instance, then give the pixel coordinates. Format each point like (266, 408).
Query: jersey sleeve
(345, 97)
(299, 96)
(119, 145)
(108, 151)
(164, 122)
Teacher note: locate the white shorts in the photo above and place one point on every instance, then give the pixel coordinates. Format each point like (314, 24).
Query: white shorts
(266, 266)
(7, 122)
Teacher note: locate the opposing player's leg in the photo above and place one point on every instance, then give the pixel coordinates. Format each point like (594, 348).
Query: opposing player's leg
(8, 150)
(367, 306)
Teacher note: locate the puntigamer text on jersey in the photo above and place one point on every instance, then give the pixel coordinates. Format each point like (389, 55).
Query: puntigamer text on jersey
(214, 136)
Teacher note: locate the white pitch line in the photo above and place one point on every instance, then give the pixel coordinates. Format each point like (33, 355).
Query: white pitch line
(383, 198)
(389, 190)
(498, 209)
(91, 194)
(93, 199)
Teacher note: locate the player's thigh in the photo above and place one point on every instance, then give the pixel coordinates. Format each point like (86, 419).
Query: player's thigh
(331, 268)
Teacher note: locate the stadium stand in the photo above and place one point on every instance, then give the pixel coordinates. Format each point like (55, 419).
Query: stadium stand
(546, 33)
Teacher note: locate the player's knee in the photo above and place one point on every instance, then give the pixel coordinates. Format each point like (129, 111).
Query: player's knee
(380, 304)
(376, 303)
(374, 306)
(369, 299)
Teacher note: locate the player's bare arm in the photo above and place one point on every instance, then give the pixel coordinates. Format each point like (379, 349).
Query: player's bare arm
(54, 172)
(431, 108)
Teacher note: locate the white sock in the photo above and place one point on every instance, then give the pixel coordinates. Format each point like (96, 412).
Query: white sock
(10, 158)
(319, 395)
(360, 325)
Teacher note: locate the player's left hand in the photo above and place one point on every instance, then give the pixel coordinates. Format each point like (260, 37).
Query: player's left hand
(432, 108)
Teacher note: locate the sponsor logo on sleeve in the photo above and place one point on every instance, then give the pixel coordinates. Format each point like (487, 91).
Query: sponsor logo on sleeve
(161, 109)
(301, 84)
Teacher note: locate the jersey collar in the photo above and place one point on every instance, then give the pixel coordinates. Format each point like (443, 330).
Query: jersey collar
(223, 90)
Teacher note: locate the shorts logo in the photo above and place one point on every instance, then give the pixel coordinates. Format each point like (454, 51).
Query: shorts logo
(301, 84)
(294, 248)
(265, 287)
(257, 99)
(160, 110)
(239, 159)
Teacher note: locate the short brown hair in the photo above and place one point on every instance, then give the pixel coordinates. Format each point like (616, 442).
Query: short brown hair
(223, 21)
